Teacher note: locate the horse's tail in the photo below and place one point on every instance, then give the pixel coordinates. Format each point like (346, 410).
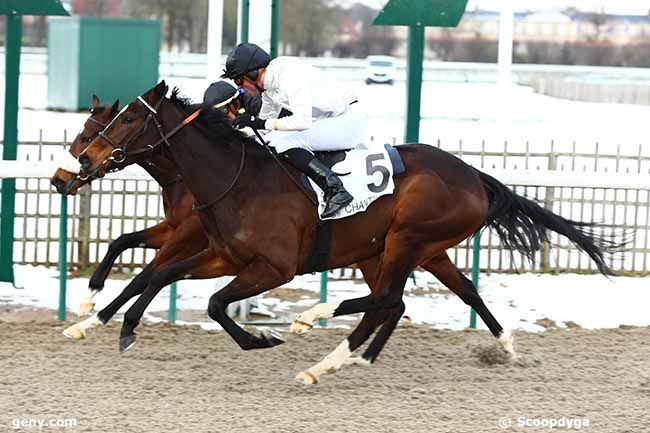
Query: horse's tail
(522, 224)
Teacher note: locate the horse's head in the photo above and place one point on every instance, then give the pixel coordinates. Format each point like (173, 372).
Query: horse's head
(68, 182)
(127, 138)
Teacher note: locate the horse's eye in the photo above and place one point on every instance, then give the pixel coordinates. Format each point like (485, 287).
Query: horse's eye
(128, 119)
(87, 139)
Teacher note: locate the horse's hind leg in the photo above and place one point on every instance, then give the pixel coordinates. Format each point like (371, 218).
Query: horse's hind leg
(341, 355)
(393, 271)
(449, 275)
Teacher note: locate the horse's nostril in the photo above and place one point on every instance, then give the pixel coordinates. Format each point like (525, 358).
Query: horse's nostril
(84, 161)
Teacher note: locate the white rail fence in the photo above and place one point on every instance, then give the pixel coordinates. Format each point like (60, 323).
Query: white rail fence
(612, 190)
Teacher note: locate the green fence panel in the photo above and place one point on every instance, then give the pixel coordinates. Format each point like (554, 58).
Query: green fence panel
(112, 58)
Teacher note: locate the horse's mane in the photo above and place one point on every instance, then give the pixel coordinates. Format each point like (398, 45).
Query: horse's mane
(214, 124)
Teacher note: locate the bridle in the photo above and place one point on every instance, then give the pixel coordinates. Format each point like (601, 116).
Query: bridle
(120, 154)
(79, 176)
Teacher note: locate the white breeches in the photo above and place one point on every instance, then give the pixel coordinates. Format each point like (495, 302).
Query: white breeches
(347, 131)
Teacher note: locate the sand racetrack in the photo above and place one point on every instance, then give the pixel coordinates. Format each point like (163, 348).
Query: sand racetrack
(184, 379)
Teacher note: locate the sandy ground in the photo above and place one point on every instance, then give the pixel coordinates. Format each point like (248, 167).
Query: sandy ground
(184, 379)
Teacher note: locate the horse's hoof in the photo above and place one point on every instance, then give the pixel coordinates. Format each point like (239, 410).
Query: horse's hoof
(507, 341)
(299, 326)
(85, 309)
(126, 343)
(357, 360)
(306, 378)
(272, 338)
(74, 333)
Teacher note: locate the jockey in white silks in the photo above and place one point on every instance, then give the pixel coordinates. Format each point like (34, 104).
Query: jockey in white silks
(322, 118)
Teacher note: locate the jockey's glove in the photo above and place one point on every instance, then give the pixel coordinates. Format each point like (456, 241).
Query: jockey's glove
(247, 119)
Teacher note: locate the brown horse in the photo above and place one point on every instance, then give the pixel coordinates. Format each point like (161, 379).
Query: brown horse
(177, 203)
(178, 237)
(69, 183)
(256, 214)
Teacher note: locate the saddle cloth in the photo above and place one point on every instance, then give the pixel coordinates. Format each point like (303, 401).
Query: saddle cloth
(367, 174)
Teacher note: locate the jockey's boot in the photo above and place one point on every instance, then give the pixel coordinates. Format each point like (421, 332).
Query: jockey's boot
(336, 196)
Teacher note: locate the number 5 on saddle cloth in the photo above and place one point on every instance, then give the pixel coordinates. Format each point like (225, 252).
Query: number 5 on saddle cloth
(367, 174)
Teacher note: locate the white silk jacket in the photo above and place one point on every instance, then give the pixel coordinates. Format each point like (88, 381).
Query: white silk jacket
(292, 84)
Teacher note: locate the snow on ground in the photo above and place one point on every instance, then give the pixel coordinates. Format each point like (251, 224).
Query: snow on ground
(450, 111)
(517, 301)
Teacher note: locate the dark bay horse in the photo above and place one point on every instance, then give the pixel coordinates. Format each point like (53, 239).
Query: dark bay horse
(265, 224)
(177, 204)
(182, 219)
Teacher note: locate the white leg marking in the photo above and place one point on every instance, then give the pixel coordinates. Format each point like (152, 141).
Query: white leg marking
(305, 320)
(87, 302)
(79, 330)
(507, 341)
(357, 360)
(328, 365)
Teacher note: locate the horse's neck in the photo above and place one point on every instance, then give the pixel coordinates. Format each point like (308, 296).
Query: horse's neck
(209, 168)
(162, 170)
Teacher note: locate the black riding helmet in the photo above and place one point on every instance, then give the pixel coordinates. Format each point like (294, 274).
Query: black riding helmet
(223, 92)
(245, 59)
(220, 93)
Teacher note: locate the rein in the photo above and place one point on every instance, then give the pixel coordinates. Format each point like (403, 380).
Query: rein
(201, 207)
(119, 154)
(282, 166)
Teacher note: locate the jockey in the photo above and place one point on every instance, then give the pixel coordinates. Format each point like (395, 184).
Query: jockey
(321, 116)
(225, 96)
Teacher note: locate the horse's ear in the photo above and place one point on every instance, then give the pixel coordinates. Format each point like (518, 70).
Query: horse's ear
(115, 107)
(95, 102)
(161, 88)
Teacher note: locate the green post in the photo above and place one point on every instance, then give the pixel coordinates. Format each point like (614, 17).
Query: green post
(63, 257)
(9, 150)
(171, 313)
(476, 269)
(323, 294)
(245, 14)
(414, 83)
(275, 27)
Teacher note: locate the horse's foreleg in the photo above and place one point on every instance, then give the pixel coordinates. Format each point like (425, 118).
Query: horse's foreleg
(449, 275)
(205, 264)
(153, 237)
(257, 277)
(134, 288)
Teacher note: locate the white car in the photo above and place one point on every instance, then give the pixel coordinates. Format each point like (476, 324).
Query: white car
(380, 69)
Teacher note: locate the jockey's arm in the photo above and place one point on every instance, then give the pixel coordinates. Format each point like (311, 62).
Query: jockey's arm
(251, 103)
(297, 89)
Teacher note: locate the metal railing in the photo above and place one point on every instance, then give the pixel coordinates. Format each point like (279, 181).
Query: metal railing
(118, 205)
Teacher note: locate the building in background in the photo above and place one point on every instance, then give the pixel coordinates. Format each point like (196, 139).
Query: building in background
(567, 25)
(109, 8)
